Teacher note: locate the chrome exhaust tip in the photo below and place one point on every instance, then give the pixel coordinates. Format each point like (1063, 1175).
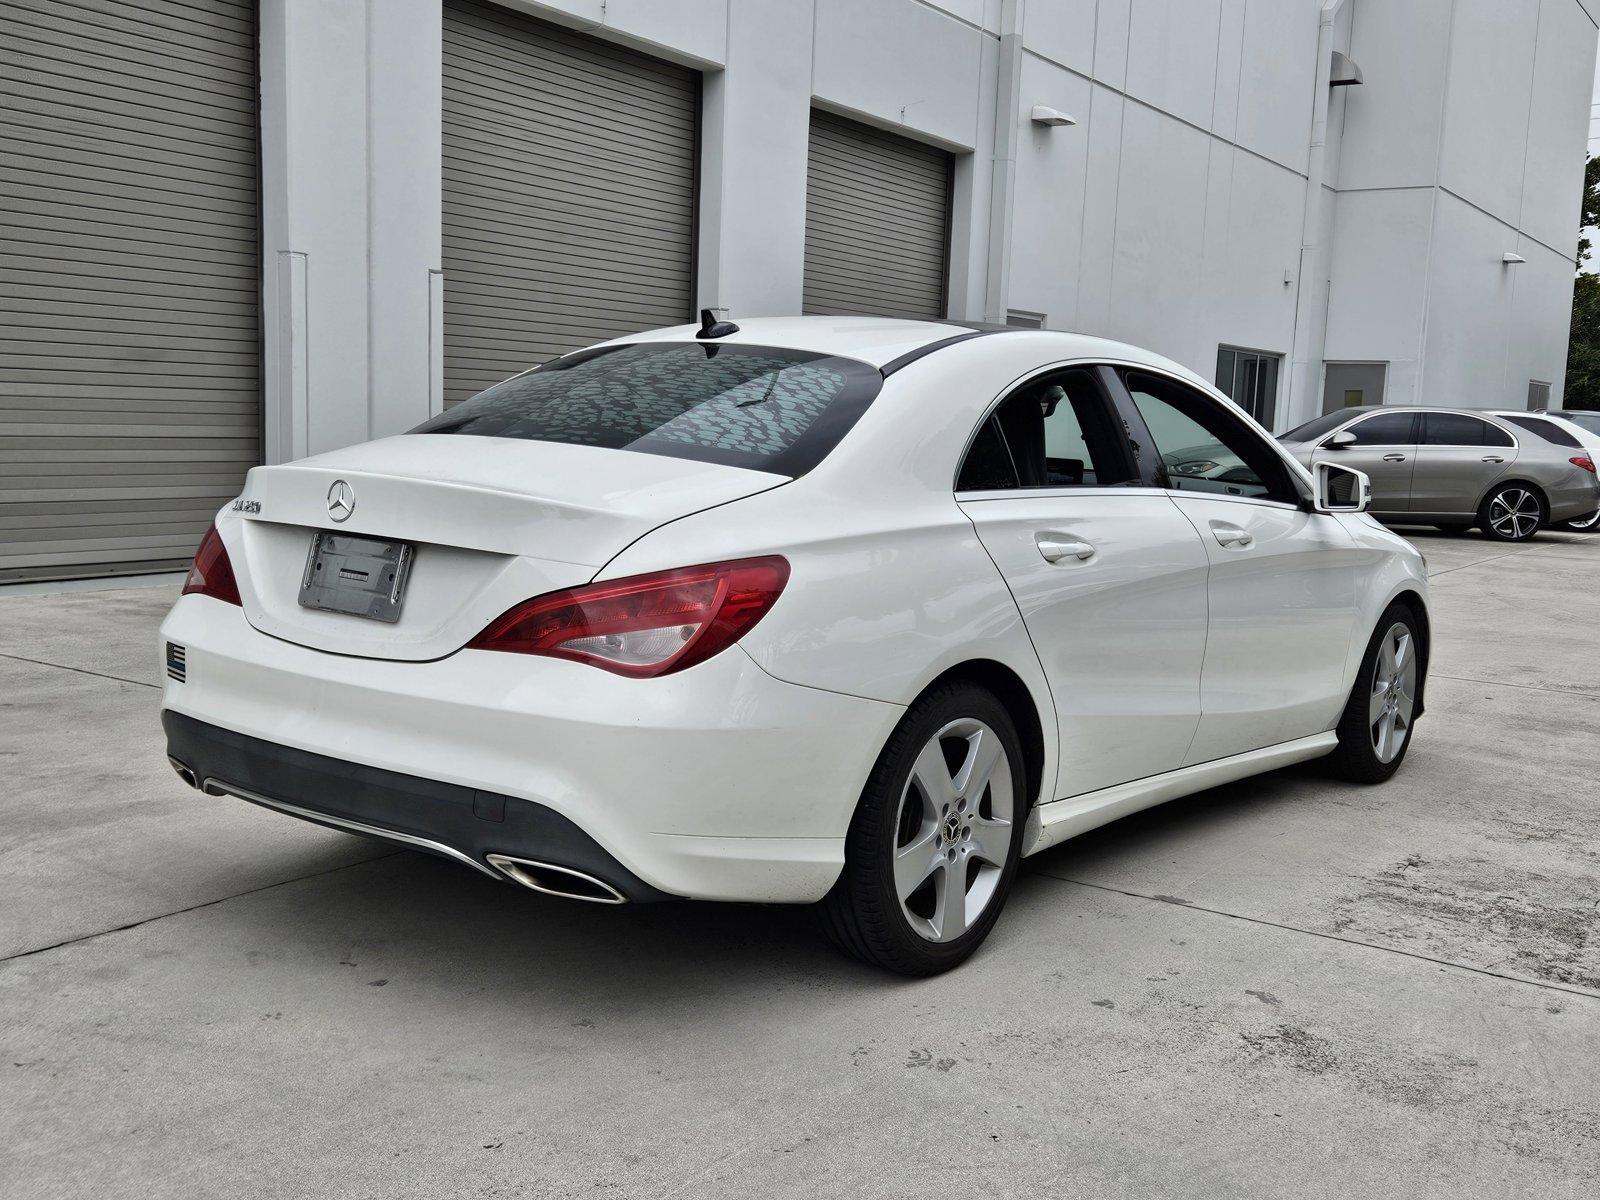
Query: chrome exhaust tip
(184, 773)
(552, 880)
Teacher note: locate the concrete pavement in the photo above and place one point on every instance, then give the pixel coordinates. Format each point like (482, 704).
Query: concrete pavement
(1286, 986)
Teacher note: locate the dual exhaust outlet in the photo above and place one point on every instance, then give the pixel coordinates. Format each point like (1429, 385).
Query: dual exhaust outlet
(547, 878)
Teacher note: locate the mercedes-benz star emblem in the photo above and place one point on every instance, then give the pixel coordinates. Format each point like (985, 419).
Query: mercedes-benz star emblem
(341, 500)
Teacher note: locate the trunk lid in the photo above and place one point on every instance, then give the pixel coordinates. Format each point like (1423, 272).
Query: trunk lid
(493, 521)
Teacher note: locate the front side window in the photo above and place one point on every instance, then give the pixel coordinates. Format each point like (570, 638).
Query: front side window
(1386, 429)
(1316, 427)
(1051, 433)
(1201, 449)
(1458, 429)
(744, 406)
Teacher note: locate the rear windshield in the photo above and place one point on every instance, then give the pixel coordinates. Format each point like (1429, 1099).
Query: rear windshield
(744, 406)
(1588, 420)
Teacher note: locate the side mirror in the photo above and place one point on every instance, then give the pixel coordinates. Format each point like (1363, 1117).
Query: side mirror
(1340, 440)
(1341, 489)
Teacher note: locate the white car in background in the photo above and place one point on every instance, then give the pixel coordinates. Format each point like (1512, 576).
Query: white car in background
(848, 610)
(1562, 430)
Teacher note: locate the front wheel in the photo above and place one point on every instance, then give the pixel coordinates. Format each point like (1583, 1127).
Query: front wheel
(1375, 730)
(1512, 513)
(935, 841)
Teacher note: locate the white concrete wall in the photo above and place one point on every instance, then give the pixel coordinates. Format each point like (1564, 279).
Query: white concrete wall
(1466, 142)
(1169, 215)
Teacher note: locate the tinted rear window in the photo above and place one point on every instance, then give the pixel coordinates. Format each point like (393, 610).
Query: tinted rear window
(1548, 430)
(759, 407)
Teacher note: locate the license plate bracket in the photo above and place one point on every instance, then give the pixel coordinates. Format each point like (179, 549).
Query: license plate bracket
(358, 576)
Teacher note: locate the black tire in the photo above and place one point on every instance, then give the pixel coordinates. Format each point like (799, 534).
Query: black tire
(1357, 759)
(1503, 498)
(863, 914)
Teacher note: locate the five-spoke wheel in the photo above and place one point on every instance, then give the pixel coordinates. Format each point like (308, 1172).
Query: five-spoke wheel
(1512, 513)
(936, 838)
(953, 830)
(1394, 692)
(1375, 730)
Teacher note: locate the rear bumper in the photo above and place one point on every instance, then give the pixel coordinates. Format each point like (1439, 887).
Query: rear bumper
(459, 823)
(719, 782)
(1577, 500)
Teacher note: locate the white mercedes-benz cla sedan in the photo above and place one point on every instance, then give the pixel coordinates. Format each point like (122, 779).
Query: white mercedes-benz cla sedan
(841, 610)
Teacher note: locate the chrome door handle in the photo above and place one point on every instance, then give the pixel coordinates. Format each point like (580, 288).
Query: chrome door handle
(1493, 458)
(1053, 547)
(1232, 535)
(1394, 458)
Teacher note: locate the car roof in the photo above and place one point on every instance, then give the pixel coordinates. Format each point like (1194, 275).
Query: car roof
(880, 341)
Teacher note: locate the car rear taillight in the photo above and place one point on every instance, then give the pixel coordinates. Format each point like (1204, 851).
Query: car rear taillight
(1580, 461)
(212, 573)
(645, 625)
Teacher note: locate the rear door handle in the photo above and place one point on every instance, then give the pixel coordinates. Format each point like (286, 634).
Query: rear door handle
(1394, 458)
(1231, 535)
(1053, 547)
(1493, 458)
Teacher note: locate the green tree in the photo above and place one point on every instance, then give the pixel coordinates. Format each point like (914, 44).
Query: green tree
(1583, 345)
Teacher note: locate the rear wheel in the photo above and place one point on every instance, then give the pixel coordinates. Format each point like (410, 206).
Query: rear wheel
(1583, 524)
(934, 845)
(1512, 512)
(1375, 730)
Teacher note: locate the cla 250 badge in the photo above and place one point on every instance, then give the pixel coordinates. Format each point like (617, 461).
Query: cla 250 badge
(247, 506)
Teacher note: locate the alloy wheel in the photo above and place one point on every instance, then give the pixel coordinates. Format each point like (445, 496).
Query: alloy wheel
(1588, 522)
(1515, 513)
(953, 830)
(1394, 692)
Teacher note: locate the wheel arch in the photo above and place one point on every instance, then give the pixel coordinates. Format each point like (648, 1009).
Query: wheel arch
(1009, 688)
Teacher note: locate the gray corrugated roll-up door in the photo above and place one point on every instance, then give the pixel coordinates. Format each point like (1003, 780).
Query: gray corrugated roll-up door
(569, 193)
(877, 222)
(130, 402)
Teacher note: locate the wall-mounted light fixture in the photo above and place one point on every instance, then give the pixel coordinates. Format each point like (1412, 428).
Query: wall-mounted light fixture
(1511, 260)
(1043, 114)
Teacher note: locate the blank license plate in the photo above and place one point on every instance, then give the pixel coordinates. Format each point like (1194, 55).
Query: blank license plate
(361, 576)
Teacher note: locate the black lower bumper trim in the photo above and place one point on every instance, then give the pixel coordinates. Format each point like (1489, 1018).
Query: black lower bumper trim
(446, 819)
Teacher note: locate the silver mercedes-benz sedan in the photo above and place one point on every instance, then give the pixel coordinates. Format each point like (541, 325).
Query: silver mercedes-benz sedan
(1453, 469)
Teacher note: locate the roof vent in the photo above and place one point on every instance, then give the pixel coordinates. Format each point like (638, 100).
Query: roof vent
(1345, 73)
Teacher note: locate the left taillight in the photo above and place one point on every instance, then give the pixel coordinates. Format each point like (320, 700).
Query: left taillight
(645, 625)
(1583, 462)
(212, 573)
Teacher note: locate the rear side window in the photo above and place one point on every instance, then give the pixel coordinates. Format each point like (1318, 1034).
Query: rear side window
(1457, 429)
(1053, 432)
(1386, 429)
(1548, 430)
(758, 407)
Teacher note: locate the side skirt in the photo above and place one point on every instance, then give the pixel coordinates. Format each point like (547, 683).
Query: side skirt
(1053, 823)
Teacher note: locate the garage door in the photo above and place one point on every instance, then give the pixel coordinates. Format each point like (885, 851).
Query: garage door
(569, 193)
(130, 402)
(877, 222)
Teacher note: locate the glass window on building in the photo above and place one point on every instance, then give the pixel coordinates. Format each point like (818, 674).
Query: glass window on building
(1250, 378)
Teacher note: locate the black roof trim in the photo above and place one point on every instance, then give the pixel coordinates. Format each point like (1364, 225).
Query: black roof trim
(911, 356)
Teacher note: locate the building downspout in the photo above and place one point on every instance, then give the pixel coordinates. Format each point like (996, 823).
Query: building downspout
(1311, 297)
(1003, 165)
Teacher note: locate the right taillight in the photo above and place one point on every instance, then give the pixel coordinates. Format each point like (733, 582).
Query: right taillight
(1583, 461)
(212, 573)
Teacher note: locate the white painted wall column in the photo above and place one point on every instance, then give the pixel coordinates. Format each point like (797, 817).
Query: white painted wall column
(755, 132)
(350, 218)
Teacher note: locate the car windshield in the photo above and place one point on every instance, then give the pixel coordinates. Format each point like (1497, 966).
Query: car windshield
(758, 407)
(1315, 428)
